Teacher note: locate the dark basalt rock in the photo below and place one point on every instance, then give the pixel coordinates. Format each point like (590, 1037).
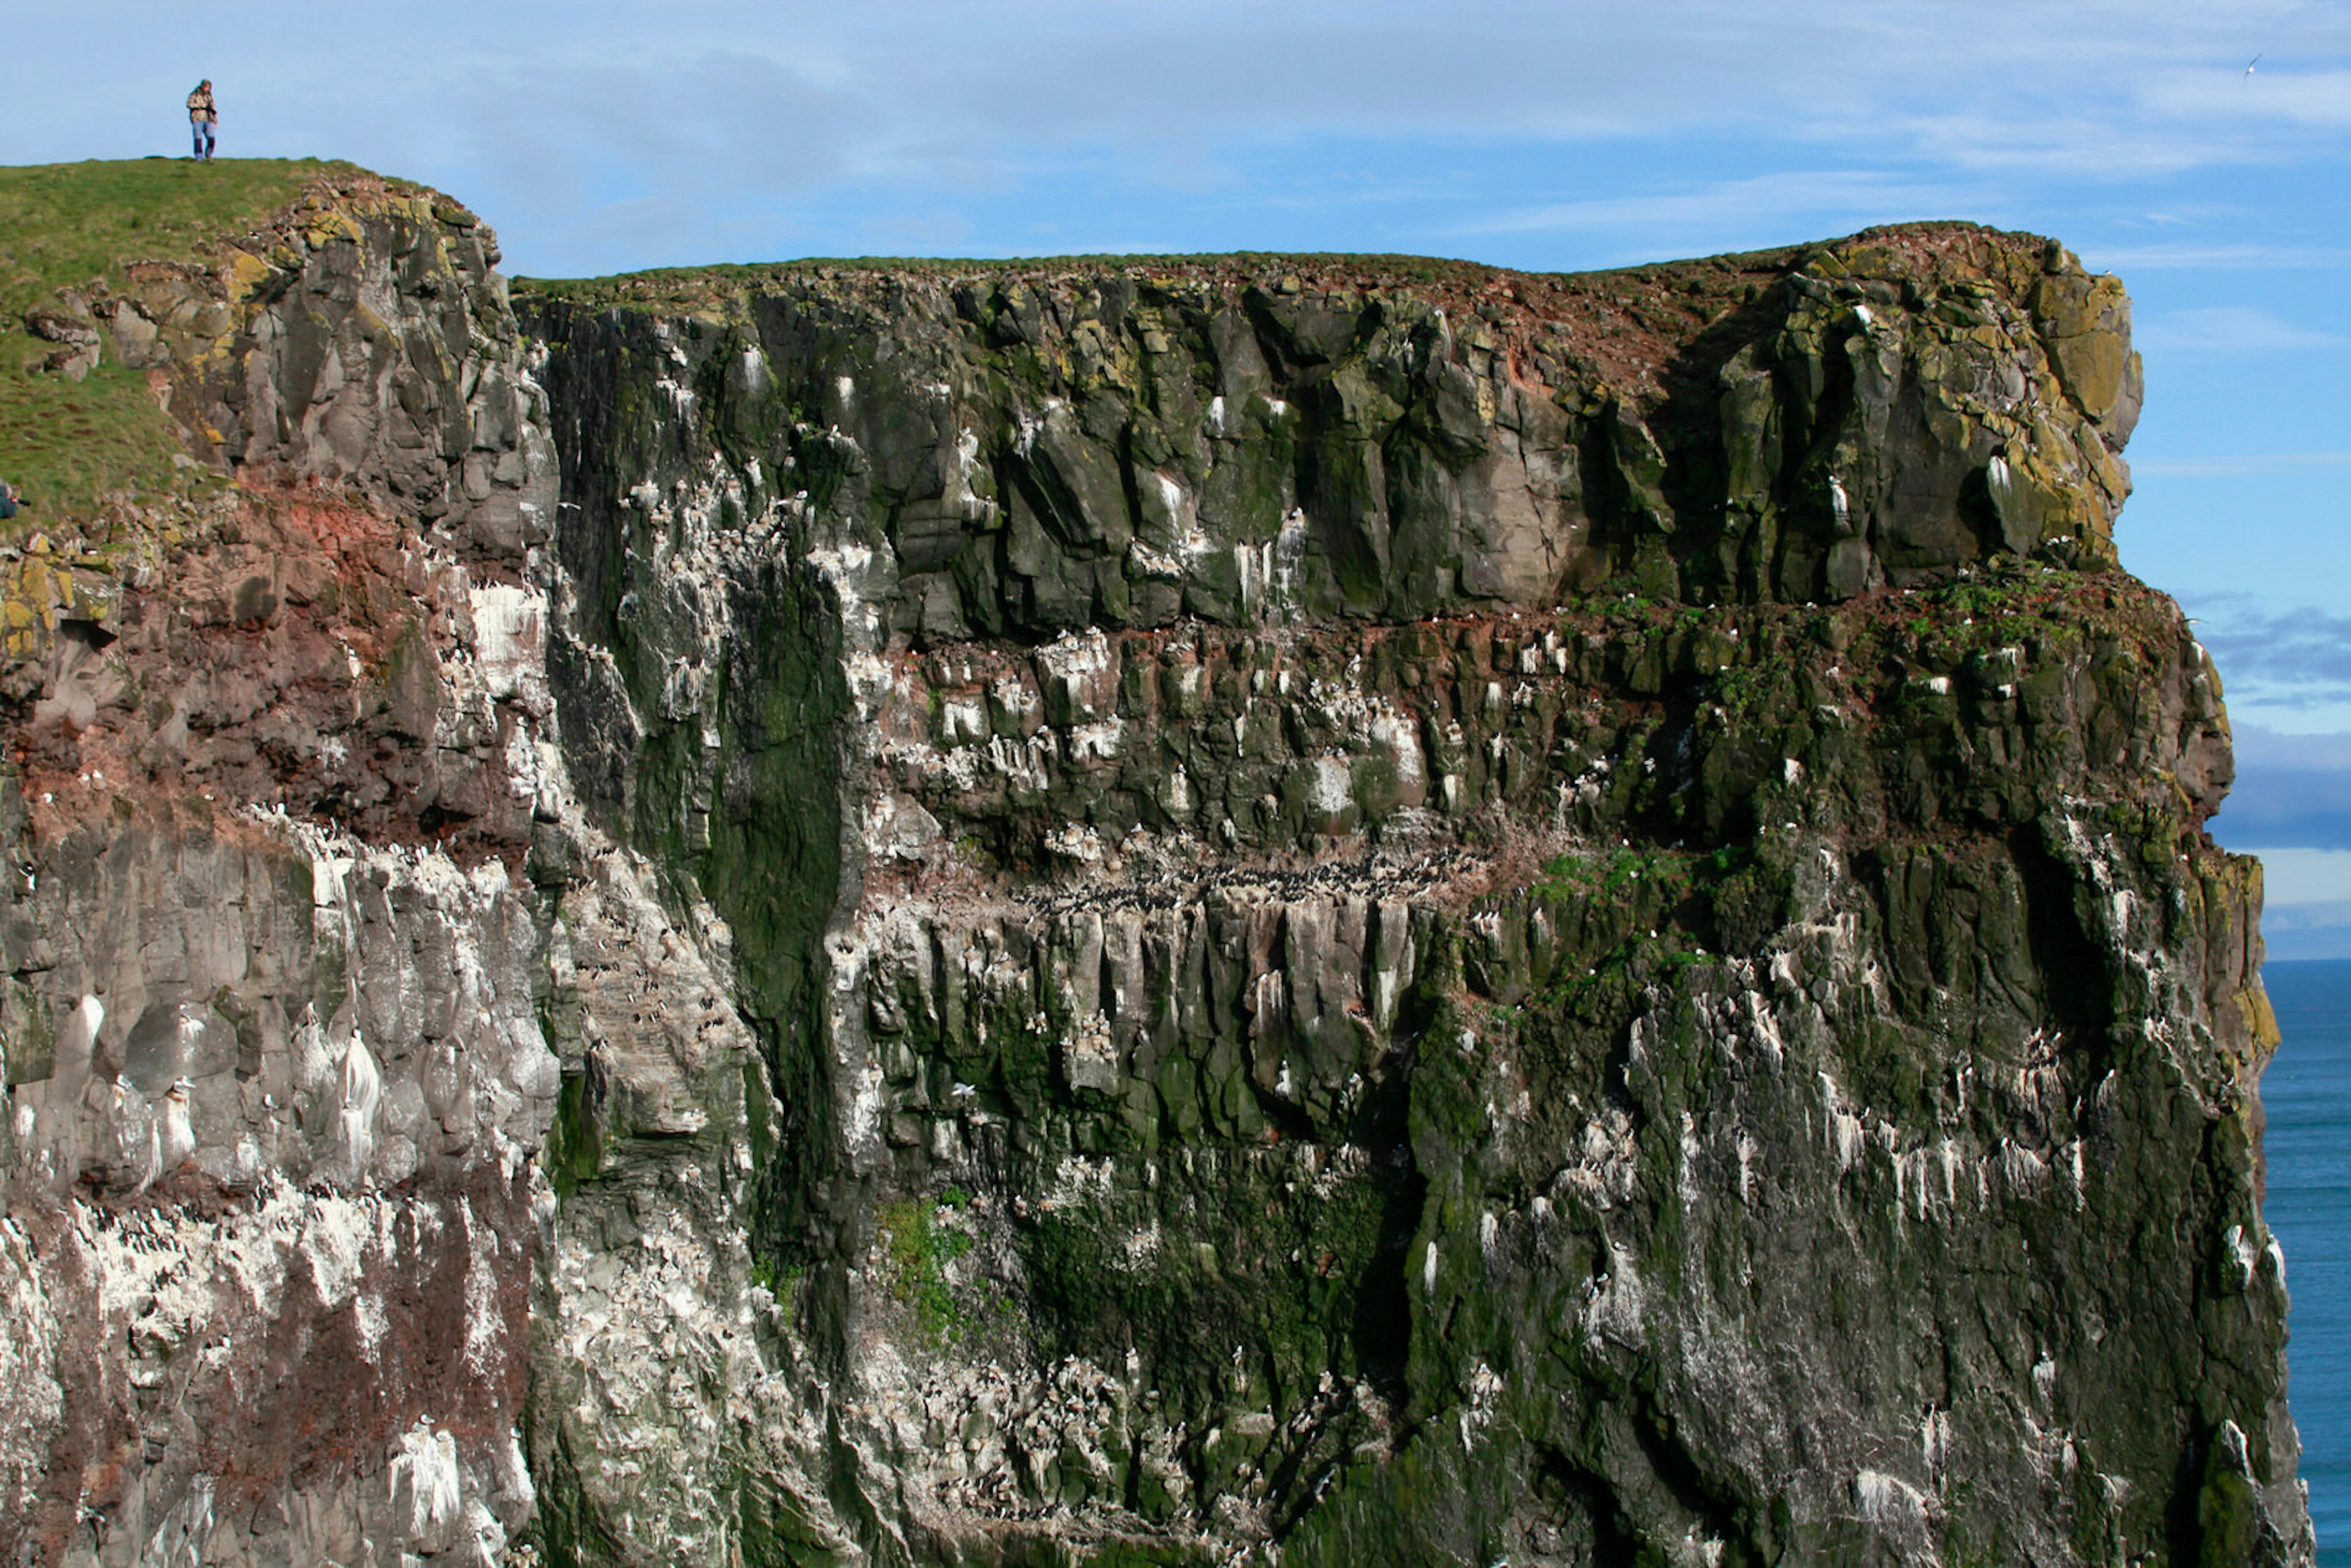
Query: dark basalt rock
(1476, 916)
(1302, 909)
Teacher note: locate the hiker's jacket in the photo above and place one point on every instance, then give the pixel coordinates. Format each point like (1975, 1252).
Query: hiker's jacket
(200, 106)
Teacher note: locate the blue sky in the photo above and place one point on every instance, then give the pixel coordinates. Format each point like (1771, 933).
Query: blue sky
(603, 137)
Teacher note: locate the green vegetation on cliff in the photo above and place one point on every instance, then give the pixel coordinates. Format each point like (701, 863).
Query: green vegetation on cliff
(67, 442)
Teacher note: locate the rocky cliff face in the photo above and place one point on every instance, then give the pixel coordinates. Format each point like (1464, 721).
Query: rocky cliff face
(275, 961)
(1311, 911)
(1425, 916)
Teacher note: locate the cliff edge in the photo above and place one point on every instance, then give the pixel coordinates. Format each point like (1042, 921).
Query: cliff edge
(1167, 910)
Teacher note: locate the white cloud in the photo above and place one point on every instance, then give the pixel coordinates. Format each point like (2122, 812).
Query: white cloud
(2208, 256)
(2315, 99)
(1837, 198)
(2268, 749)
(2228, 330)
(765, 122)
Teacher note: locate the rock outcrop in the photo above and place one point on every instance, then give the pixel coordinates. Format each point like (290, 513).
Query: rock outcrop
(275, 961)
(1306, 910)
(1410, 914)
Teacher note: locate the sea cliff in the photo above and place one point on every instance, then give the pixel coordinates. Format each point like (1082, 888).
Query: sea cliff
(1158, 910)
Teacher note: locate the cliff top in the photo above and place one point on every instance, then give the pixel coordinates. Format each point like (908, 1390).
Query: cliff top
(79, 236)
(1913, 248)
(73, 237)
(1628, 325)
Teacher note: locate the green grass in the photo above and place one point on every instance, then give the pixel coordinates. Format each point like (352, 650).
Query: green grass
(67, 445)
(921, 1246)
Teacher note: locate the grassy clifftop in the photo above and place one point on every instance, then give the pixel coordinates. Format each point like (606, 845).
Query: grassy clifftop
(80, 226)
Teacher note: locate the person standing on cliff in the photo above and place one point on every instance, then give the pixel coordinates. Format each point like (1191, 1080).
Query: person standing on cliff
(202, 115)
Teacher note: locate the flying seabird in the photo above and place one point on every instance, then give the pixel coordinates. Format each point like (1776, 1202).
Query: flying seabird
(2251, 63)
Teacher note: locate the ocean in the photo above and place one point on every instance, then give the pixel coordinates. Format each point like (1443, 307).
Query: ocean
(2308, 1092)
